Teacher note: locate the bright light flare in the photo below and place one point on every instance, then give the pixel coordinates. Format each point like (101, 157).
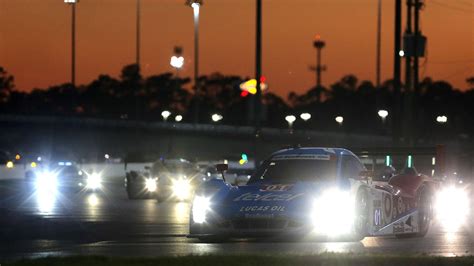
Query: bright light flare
(195, 7)
(333, 212)
(201, 205)
(150, 184)
(165, 114)
(452, 208)
(305, 116)
(441, 119)
(94, 181)
(181, 189)
(383, 113)
(46, 181)
(10, 165)
(339, 119)
(177, 61)
(216, 117)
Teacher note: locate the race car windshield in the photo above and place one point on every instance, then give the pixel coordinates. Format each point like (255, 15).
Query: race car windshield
(291, 171)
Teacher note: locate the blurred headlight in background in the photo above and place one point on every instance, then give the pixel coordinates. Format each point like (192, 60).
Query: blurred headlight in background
(150, 184)
(333, 212)
(181, 188)
(201, 205)
(452, 207)
(94, 181)
(10, 164)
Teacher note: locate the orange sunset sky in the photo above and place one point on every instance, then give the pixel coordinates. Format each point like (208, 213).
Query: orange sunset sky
(35, 39)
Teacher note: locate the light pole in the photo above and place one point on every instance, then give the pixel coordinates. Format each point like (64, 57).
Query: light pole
(73, 3)
(383, 114)
(196, 5)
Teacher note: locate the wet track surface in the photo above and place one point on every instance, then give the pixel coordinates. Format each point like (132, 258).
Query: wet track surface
(107, 223)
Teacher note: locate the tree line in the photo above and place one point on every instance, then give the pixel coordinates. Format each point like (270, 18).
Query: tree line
(132, 96)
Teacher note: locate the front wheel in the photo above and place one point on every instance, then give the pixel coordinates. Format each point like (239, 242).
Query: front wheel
(361, 215)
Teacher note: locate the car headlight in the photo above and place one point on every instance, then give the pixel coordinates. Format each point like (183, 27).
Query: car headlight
(201, 205)
(452, 207)
(150, 184)
(333, 212)
(46, 181)
(94, 181)
(181, 188)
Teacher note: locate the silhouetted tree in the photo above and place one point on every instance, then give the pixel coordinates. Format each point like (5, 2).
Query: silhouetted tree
(6, 85)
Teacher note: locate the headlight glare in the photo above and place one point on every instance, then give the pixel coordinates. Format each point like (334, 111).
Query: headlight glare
(181, 188)
(333, 212)
(94, 181)
(150, 184)
(201, 205)
(452, 207)
(46, 181)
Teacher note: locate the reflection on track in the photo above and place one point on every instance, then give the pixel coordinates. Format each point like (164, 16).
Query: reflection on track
(107, 223)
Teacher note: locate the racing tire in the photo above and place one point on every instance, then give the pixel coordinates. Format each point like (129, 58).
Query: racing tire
(425, 213)
(361, 215)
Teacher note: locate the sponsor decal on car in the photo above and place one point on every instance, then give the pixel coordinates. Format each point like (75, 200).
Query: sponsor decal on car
(276, 187)
(267, 197)
(262, 208)
(325, 157)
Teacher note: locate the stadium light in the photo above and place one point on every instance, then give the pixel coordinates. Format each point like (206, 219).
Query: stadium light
(165, 114)
(177, 62)
(305, 116)
(290, 119)
(442, 119)
(383, 114)
(216, 117)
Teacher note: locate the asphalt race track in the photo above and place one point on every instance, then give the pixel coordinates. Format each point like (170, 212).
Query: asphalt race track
(107, 223)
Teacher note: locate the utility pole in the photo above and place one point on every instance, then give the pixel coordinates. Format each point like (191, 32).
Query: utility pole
(137, 60)
(319, 45)
(73, 38)
(258, 74)
(379, 42)
(258, 63)
(416, 47)
(408, 32)
(396, 70)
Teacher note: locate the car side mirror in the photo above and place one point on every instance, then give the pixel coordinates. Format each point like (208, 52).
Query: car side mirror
(221, 168)
(366, 175)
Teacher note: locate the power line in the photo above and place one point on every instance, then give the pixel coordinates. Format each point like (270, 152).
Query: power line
(458, 72)
(454, 61)
(471, 4)
(451, 7)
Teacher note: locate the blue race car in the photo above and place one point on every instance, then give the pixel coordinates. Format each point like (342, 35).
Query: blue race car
(312, 193)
